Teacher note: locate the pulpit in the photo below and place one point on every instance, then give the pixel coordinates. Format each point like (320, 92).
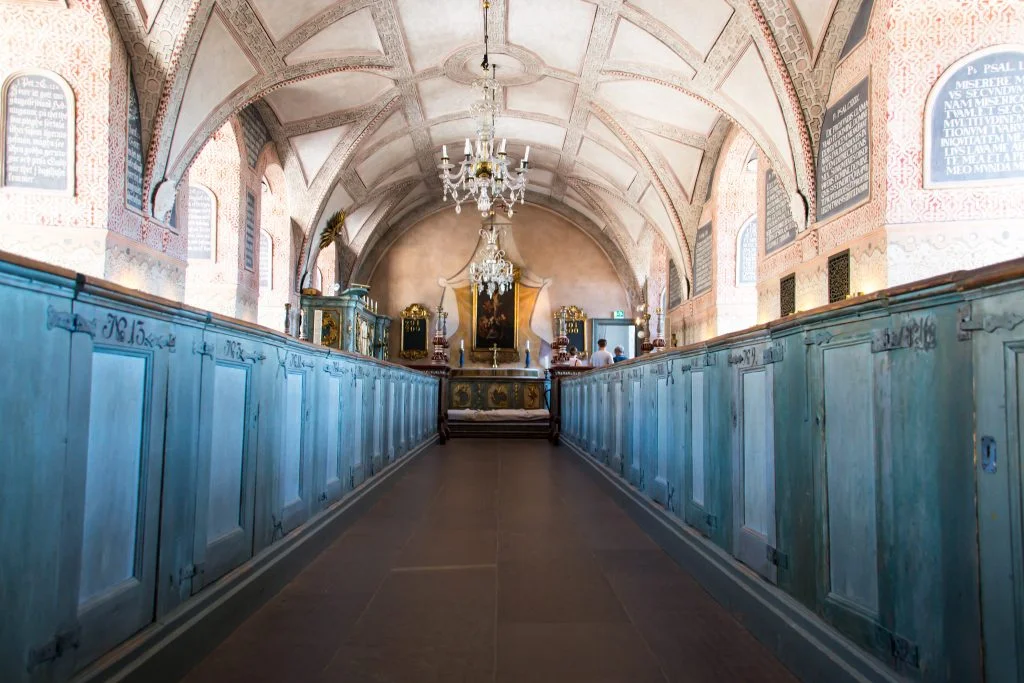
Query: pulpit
(347, 322)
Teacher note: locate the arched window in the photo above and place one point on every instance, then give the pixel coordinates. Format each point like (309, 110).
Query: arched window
(750, 163)
(746, 253)
(266, 260)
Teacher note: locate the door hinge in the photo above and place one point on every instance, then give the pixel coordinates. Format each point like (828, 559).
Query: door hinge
(777, 557)
(55, 648)
(897, 647)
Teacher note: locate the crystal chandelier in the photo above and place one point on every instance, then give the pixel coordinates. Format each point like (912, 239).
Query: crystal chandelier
(483, 174)
(493, 273)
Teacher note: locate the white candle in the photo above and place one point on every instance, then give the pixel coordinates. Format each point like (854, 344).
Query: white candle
(444, 151)
(526, 157)
(527, 344)
(469, 148)
(462, 345)
(503, 143)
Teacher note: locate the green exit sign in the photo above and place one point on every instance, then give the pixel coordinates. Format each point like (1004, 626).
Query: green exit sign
(618, 315)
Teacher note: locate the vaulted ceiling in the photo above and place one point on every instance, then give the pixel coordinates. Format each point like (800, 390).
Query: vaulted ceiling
(625, 104)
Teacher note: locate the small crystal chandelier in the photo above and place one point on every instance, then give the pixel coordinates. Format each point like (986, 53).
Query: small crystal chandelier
(493, 273)
(484, 175)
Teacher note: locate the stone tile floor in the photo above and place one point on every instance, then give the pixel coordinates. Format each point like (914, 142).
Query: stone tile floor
(492, 561)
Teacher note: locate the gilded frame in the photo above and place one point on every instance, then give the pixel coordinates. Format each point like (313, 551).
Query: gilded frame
(415, 312)
(504, 351)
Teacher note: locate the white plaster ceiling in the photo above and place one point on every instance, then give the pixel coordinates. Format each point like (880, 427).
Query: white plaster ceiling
(355, 34)
(549, 96)
(314, 148)
(684, 160)
(432, 32)
(659, 103)
(633, 44)
(280, 18)
(598, 89)
(697, 22)
(373, 168)
(748, 85)
(221, 68)
(325, 94)
(597, 156)
(558, 31)
(814, 15)
(394, 123)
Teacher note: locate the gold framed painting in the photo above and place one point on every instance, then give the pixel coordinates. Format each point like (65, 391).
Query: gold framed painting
(496, 320)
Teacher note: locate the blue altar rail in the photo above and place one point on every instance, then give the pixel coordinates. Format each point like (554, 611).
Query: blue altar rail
(148, 449)
(863, 459)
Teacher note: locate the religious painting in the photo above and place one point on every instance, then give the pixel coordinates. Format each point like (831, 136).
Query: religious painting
(496, 320)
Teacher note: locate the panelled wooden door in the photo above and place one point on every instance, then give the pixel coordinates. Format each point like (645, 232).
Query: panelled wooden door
(226, 466)
(115, 464)
(754, 467)
(295, 434)
(999, 457)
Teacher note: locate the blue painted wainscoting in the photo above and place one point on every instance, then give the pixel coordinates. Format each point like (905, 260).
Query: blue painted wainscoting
(862, 461)
(148, 451)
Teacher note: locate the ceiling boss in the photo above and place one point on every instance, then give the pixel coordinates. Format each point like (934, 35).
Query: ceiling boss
(483, 174)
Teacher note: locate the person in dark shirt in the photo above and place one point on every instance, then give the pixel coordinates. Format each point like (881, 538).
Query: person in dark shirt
(619, 355)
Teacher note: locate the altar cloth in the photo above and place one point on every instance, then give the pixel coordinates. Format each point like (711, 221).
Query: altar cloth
(499, 415)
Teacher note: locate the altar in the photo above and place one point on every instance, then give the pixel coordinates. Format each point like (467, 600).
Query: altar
(507, 402)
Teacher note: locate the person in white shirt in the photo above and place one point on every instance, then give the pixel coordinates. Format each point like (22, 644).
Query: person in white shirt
(574, 358)
(601, 357)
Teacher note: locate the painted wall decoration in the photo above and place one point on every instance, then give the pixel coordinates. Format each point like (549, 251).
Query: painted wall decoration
(39, 132)
(859, 29)
(202, 221)
(496, 320)
(134, 162)
(779, 226)
(254, 134)
(746, 253)
(974, 120)
(250, 231)
(702, 261)
(844, 154)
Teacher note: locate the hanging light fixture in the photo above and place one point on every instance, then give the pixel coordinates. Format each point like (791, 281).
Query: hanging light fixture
(483, 174)
(492, 273)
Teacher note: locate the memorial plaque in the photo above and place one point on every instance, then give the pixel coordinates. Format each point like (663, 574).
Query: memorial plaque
(974, 125)
(414, 338)
(254, 133)
(675, 286)
(576, 331)
(702, 261)
(859, 28)
(38, 134)
(844, 154)
(746, 259)
(201, 221)
(250, 231)
(134, 163)
(779, 226)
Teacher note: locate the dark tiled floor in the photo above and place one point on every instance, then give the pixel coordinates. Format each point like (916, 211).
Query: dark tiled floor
(492, 561)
